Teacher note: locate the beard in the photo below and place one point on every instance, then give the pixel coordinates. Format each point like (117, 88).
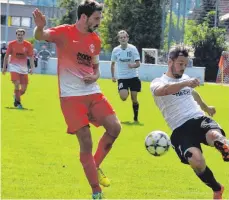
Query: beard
(175, 74)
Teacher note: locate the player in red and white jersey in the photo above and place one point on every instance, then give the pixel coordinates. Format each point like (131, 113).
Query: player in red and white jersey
(81, 100)
(19, 50)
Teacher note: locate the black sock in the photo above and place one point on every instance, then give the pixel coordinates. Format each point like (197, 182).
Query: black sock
(208, 178)
(135, 109)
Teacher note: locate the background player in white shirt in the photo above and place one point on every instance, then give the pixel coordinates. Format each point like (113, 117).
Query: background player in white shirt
(183, 110)
(128, 60)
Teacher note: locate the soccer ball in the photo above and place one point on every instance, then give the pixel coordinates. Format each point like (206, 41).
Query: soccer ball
(157, 143)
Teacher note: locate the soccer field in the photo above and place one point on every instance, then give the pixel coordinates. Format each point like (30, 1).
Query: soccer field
(39, 160)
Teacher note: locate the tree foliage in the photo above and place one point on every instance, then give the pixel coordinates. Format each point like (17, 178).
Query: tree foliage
(71, 11)
(208, 43)
(140, 18)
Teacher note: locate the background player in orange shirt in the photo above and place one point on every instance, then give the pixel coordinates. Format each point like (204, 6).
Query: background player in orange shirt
(81, 100)
(19, 50)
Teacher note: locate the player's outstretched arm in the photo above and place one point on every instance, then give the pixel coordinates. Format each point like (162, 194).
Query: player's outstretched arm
(40, 21)
(208, 109)
(172, 88)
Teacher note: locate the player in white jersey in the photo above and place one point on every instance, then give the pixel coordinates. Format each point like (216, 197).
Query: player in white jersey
(128, 60)
(183, 110)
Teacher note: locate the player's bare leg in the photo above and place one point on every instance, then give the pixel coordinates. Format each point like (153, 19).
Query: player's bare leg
(17, 96)
(23, 89)
(113, 128)
(87, 160)
(215, 138)
(135, 104)
(123, 94)
(197, 162)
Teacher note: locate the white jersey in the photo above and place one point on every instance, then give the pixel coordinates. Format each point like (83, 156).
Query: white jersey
(179, 107)
(123, 57)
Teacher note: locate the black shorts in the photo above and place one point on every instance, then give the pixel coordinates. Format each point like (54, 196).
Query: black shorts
(134, 84)
(191, 134)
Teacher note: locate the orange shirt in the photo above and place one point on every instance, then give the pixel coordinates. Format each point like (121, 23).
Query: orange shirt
(75, 51)
(19, 53)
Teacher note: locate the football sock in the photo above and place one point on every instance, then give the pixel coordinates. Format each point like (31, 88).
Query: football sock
(104, 146)
(17, 95)
(208, 178)
(135, 109)
(89, 167)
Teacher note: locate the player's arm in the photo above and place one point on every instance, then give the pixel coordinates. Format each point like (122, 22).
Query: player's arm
(40, 21)
(172, 88)
(134, 65)
(113, 69)
(6, 59)
(95, 62)
(208, 109)
(31, 60)
(136, 57)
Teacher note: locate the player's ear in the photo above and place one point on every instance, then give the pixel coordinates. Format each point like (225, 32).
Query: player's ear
(84, 17)
(170, 61)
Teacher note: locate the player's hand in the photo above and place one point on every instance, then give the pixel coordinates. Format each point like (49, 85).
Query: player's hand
(114, 79)
(131, 65)
(193, 82)
(4, 71)
(31, 71)
(39, 18)
(90, 79)
(211, 110)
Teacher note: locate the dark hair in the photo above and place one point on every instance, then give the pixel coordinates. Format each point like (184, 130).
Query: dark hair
(88, 7)
(178, 50)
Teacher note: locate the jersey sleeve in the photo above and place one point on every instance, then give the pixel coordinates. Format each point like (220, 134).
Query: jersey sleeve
(155, 84)
(113, 56)
(136, 54)
(56, 33)
(30, 50)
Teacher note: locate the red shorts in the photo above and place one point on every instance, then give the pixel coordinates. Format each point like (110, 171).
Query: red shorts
(79, 111)
(23, 78)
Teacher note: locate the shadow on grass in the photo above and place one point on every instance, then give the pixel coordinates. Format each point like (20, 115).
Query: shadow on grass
(22, 109)
(129, 123)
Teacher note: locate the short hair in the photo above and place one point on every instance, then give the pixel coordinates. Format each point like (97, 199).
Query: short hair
(88, 7)
(122, 31)
(20, 30)
(178, 50)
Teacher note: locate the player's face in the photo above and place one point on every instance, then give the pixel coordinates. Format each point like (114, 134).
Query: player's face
(123, 38)
(178, 66)
(20, 36)
(93, 21)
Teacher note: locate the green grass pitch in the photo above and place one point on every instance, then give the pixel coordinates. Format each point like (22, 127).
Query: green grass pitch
(39, 160)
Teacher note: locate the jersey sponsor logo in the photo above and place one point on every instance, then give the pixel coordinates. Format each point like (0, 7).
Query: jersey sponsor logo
(20, 55)
(92, 48)
(120, 86)
(183, 92)
(125, 60)
(208, 123)
(84, 59)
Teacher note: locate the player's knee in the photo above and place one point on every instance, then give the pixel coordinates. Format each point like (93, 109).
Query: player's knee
(115, 129)
(124, 98)
(84, 138)
(196, 160)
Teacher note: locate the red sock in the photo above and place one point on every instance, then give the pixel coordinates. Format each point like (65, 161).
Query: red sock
(89, 167)
(17, 95)
(105, 145)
